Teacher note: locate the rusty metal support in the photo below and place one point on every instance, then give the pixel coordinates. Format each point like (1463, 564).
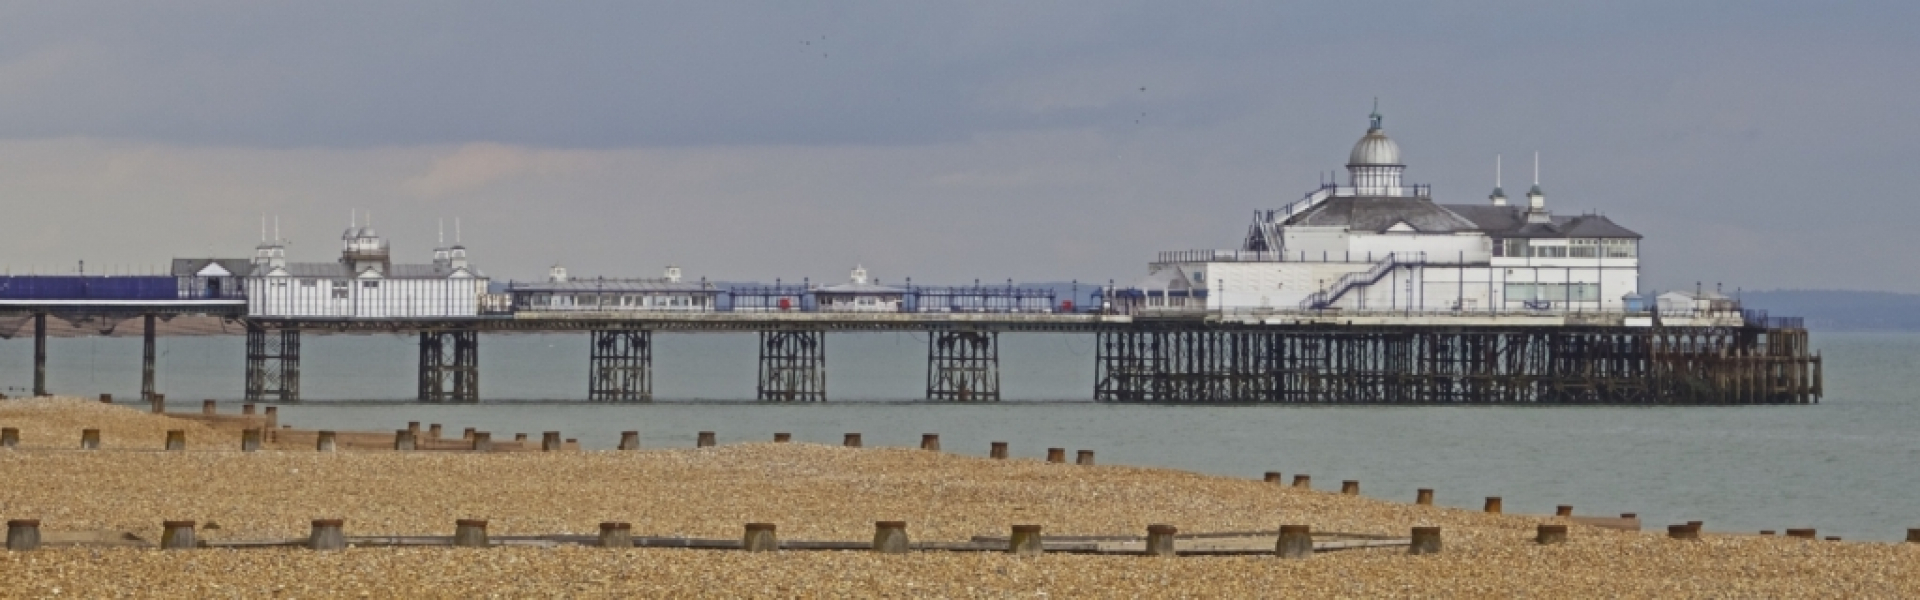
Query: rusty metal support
(620, 365)
(40, 354)
(449, 366)
(273, 365)
(963, 366)
(793, 366)
(146, 358)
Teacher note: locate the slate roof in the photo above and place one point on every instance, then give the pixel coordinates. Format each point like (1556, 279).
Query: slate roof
(1380, 213)
(1511, 221)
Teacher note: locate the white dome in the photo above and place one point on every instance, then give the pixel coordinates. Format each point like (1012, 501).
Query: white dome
(1375, 148)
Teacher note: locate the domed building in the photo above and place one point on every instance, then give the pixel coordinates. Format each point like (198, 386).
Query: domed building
(1379, 244)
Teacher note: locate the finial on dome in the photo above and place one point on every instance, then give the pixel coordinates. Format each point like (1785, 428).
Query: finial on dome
(1375, 117)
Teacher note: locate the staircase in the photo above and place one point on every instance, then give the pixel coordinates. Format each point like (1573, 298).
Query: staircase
(1325, 298)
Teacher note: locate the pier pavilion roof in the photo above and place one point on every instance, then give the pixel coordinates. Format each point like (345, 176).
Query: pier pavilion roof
(1511, 221)
(1380, 213)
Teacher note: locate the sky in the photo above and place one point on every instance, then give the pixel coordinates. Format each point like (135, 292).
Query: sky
(1756, 144)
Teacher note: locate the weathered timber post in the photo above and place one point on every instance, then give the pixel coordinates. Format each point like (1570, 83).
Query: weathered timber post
(1806, 534)
(616, 535)
(208, 407)
(324, 442)
(1696, 524)
(629, 440)
(403, 440)
(890, 537)
(1083, 458)
(327, 535)
(1296, 541)
(1550, 534)
(999, 450)
(520, 437)
(1057, 455)
(760, 538)
(1769, 532)
(468, 434)
(89, 439)
(433, 431)
(1425, 540)
(705, 440)
(247, 410)
(1683, 532)
(1272, 477)
(1160, 540)
(549, 441)
(1026, 541)
(176, 535)
(413, 427)
(1423, 497)
(1564, 510)
(930, 441)
(249, 440)
(9, 437)
(852, 440)
(470, 533)
(1350, 487)
(23, 534)
(176, 440)
(1303, 481)
(106, 398)
(1913, 536)
(482, 441)
(1493, 505)
(1833, 538)
(782, 437)
(158, 404)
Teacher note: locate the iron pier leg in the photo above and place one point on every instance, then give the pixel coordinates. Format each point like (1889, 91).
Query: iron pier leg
(273, 367)
(620, 366)
(146, 360)
(963, 366)
(793, 366)
(449, 366)
(40, 354)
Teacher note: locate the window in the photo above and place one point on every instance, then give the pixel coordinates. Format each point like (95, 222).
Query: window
(306, 283)
(1553, 292)
(339, 290)
(1516, 247)
(369, 285)
(1549, 251)
(1620, 248)
(1583, 248)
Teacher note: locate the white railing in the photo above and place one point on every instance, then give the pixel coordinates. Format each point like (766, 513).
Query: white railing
(1346, 283)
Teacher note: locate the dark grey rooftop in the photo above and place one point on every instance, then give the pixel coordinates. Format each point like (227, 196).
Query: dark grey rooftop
(1380, 213)
(187, 267)
(1511, 221)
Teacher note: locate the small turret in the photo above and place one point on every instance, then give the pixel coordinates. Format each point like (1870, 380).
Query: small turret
(557, 274)
(1536, 199)
(673, 274)
(1499, 196)
(859, 275)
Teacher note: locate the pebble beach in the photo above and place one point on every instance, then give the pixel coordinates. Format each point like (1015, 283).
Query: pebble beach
(812, 491)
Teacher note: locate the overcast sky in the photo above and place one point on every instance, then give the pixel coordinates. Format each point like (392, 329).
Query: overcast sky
(1759, 144)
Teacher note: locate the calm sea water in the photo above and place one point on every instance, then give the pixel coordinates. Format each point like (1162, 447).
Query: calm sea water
(1846, 466)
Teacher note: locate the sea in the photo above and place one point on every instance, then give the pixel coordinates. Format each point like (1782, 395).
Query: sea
(1848, 466)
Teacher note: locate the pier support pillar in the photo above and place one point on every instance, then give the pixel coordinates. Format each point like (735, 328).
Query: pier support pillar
(793, 366)
(146, 358)
(449, 366)
(273, 365)
(620, 366)
(963, 366)
(40, 354)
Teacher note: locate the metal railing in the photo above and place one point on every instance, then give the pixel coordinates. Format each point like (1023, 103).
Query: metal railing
(1324, 298)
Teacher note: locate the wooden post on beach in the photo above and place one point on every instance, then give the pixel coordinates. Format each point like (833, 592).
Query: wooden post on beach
(23, 534)
(1550, 534)
(1026, 541)
(1423, 496)
(629, 440)
(1350, 487)
(1913, 536)
(413, 427)
(249, 440)
(1302, 481)
(323, 442)
(176, 440)
(158, 403)
(482, 441)
(1296, 541)
(1425, 540)
(468, 434)
(208, 407)
(1564, 510)
(9, 437)
(615, 534)
(106, 398)
(782, 437)
(760, 538)
(1805, 534)
(1684, 531)
(403, 440)
(890, 537)
(1057, 455)
(89, 439)
(1833, 538)
(1272, 477)
(999, 450)
(1766, 532)
(1493, 505)
(549, 441)
(470, 533)
(176, 535)
(520, 437)
(930, 441)
(1083, 458)
(433, 431)
(705, 440)
(247, 410)
(852, 440)
(327, 535)
(273, 417)
(1160, 540)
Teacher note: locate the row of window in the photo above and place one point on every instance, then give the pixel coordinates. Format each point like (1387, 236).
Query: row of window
(1574, 248)
(1553, 292)
(613, 300)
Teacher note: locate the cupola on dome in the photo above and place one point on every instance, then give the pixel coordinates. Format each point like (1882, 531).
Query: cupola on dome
(1375, 148)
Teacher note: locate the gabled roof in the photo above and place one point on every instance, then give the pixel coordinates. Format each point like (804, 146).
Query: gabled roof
(191, 267)
(1380, 213)
(1511, 221)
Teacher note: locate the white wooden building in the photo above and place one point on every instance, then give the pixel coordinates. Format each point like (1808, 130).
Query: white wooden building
(560, 293)
(859, 294)
(363, 283)
(1378, 244)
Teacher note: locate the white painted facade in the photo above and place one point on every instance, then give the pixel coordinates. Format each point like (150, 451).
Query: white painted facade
(364, 283)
